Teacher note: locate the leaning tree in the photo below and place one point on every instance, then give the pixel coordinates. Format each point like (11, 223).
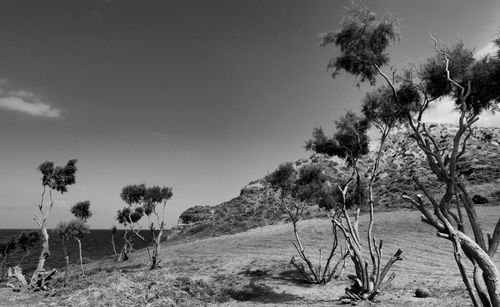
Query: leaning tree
(54, 179)
(473, 84)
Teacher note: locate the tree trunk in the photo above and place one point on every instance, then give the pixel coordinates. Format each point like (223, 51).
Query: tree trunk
(43, 255)
(80, 251)
(66, 268)
(113, 243)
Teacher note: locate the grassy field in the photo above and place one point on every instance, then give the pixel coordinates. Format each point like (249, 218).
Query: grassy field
(252, 268)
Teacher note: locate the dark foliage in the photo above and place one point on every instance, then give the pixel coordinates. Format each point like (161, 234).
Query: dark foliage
(349, 142)
(196, 214)
(127, 215)
(362, 42)
(81, 210)
(26, 240)
(283, 178)
(9, 246)
(58, 177)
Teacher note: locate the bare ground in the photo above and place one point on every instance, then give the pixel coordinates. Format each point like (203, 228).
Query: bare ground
(252, 268)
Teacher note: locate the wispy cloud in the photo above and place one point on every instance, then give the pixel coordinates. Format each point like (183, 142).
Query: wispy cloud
(27, 102)
(489, 49)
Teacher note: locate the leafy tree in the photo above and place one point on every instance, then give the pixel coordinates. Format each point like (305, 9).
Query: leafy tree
(145, 201)
(81, 210)
(73, 230)
(54, 178)
(473, 85)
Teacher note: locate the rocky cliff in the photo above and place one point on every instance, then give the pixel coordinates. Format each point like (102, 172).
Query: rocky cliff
(402, 158)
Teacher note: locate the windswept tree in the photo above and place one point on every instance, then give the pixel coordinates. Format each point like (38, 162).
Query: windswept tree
(67, 232)
(81, 210)
(54, 179)
(296, 190)
(362, 42)
(128, 218)
(142, 200)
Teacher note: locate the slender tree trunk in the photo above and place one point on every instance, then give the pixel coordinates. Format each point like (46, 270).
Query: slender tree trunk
(80, 251)
(2, 265)
(66, 268)
(43, 255)
(113, 243)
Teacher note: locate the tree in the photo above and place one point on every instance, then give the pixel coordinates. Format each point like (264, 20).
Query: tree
(142, 200)
(473, 85)
(351, 143)
(6, 248)
(81, 211)
(54, 179)
(25, 241)
(72, 230)
(296, 190)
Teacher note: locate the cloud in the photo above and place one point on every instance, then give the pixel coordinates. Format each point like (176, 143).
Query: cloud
(489, 49)
(27, 102)
(443, 111)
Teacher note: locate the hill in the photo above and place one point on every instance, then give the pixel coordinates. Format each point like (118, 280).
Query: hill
(402, 158)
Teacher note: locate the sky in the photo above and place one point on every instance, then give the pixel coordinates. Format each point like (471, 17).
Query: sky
(204, 96)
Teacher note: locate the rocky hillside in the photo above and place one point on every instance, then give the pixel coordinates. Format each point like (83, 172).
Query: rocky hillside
(256, 206)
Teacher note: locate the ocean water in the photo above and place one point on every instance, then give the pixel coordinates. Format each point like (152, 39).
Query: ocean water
(95, 245)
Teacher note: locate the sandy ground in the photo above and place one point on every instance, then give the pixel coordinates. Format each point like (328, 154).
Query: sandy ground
(262, 256)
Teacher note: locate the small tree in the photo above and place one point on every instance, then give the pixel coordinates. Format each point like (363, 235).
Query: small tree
(54, 178)
(142, 200)
(25, 241)
(297, 190)
(81, 211)
(6, 248)
(351, 143)
(73, 230)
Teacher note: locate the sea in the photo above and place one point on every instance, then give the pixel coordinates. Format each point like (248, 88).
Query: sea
(95, 245)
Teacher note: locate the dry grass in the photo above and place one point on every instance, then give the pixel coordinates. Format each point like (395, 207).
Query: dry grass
(251, 268)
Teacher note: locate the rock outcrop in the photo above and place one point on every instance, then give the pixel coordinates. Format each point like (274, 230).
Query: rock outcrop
(402, 159)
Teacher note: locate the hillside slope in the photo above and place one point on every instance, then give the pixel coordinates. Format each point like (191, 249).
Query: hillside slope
(254, 207)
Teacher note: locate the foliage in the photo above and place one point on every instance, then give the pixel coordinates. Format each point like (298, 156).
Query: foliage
(27, 240)
(81, 210)
(362, 41)
(349, 142)
(58, 177)
(195, 214)
(8, 246)
(72, 230)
